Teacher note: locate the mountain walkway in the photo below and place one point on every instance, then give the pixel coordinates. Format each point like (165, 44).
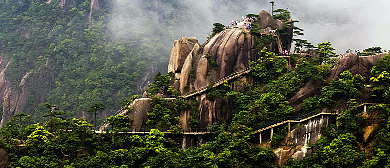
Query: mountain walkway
(270, 125)
(216, 83)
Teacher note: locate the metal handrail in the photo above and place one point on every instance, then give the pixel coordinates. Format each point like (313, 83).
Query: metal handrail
(216, 83)
(163, 129)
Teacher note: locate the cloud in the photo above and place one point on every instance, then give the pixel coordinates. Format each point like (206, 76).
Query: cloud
(348, 24)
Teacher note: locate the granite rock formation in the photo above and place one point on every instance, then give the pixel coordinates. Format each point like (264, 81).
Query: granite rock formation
(231, 49)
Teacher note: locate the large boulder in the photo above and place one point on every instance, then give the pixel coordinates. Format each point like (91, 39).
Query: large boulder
(266, 20)
(232, 50)
(356, 65)
(307, 91)
(188, 67)
(181, 49)
(4, 159)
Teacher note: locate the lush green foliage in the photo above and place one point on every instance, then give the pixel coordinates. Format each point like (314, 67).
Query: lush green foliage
(218, 27)
(73, 56)
(264, 40)
(82, 66)
(382, 65)
(120, 122)
(77, 146)
(347, 87)
(162, 84)
(268, 66)
(282, 14)
(165, 113)
(348, 144)
(371, 51)
(326, 51)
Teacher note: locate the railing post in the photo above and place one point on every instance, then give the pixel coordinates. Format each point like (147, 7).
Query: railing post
(365, 108)
(272, 133)
(289, 126)
(260, 136)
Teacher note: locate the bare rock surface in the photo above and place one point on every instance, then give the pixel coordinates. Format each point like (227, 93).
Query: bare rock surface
(4, 159)
(140, 107)
(181, 49)
(307, 91)
(355, 65)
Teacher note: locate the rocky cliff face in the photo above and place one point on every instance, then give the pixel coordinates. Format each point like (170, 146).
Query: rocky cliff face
(296, 144)
(14, 97)
(231, 50)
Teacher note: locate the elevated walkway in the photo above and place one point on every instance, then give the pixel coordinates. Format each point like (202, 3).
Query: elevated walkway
(124, 111)
(279, 43)
(292, 119)
(217, 83)
(145, 131)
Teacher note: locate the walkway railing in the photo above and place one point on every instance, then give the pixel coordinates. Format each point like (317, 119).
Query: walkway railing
(279, 44)
(290, 119)
(190, 131)
(217, 83)
(122, 111)
(303, 118)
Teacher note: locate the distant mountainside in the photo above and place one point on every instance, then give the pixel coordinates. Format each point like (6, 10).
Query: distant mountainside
(67, 53)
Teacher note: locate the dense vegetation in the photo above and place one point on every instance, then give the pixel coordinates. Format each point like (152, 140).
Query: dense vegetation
(347, 145)
(90, 71)
(52, 144)
(81, 60)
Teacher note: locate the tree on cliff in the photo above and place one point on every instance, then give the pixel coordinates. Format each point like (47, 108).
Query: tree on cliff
(268, 66)
(162, 84)
(218, 27)
(282, 14)
(22, 118)
(53, 114)
(93, 109)
(326, 51)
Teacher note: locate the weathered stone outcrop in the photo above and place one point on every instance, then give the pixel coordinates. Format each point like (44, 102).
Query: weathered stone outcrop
(140, 108)
(268, 21)
(181, 49)
(231, 50)
(307, 91)
(4, 159)
(137, 110)
(356, 65)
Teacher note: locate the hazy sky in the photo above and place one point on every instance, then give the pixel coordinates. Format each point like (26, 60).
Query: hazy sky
(347, 24)
(354, 24)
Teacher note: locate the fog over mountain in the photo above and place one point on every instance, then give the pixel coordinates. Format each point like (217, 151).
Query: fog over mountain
(349, 24)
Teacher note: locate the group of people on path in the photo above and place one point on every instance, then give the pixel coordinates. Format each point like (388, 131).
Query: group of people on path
(247, 22)
(283, 52)
(273, 32)
(357, 52)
